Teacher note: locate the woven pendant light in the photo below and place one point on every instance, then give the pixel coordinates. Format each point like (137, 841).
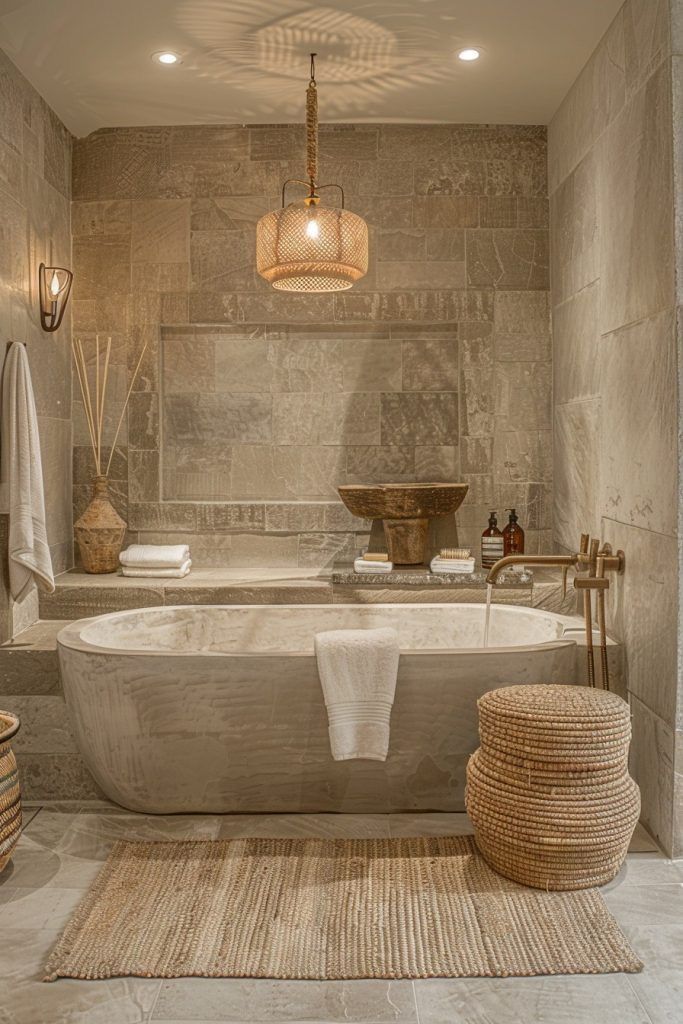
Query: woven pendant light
(307, 247)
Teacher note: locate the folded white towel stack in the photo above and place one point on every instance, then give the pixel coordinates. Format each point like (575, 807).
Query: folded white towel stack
(158, 574)
(163, 561)
(358, 670)
(361, 565)
(447, 565)
(22, 479)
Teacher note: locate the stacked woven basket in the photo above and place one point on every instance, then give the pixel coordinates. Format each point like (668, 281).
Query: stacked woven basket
(10, 801)
(548, 791)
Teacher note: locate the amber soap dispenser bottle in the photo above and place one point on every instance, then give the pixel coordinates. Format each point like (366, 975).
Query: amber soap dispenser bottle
(492, 543)
(513, 535)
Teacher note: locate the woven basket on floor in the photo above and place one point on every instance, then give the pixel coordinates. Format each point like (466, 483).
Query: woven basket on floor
(10, 800)
(548, 791)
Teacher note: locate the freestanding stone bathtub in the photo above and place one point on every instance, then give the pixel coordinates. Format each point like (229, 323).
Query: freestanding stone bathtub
(219, 708)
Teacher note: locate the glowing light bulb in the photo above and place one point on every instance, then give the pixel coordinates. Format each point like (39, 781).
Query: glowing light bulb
(313, 228)
(166, 57)
(55, 286)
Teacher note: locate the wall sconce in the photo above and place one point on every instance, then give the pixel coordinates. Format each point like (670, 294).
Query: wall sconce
(55, 286)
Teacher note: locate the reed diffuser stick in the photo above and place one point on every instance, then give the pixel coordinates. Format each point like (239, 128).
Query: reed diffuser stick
(97, 397)
(125, 406)
(104, 392)
(82, 370)
(94, 405)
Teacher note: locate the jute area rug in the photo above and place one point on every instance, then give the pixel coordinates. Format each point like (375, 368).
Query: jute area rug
(328, 909)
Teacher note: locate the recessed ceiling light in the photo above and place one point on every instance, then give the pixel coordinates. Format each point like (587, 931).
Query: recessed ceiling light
(469, 54)
(166, 57)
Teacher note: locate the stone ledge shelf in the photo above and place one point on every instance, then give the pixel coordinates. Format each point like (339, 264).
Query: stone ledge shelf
(80, 595)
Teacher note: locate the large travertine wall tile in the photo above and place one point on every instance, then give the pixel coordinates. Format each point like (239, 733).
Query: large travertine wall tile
(647, 38)
(643, 612)
(423, 418)
(638, 430)
(522, 396)
(677, 118)
(371, 364)
(575, 472)
(194, 418)
(652, 766)
(636, 207)
(574, 237)
(677, 845)
(523, 455)
(160, 231)
(591, 104)
(576, 346)
(507, 259)
(430, 365)
(308, 363)
(326, 418)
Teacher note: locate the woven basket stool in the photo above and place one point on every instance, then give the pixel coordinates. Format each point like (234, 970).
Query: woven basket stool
(548, 791)
(10, 800)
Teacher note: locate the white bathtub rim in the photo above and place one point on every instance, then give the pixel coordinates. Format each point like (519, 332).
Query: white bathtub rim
(70, 638)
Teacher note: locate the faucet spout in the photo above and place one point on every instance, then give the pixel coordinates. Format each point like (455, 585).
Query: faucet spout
(568, 561)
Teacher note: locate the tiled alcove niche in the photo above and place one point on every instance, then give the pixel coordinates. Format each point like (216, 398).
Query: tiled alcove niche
(260, 423)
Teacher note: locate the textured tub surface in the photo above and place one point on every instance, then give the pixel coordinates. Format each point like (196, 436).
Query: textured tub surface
(220, 708)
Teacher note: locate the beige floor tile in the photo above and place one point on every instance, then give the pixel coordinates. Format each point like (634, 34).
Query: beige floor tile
(37, 908)
(240, 1000)
(660, 986)
(91, 836)
(607, 999)
(26, 999)
(651, 869)
(646, 904)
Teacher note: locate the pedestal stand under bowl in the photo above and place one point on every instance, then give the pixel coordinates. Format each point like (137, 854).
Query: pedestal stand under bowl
(405, 511)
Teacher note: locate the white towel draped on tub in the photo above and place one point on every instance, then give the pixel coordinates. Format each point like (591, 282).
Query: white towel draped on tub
(358, 669)
(22, 479)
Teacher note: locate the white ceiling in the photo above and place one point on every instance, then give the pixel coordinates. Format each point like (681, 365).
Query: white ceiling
(245, 61)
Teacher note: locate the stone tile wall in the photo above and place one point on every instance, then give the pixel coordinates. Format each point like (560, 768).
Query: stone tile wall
(253, 404)
(35, 193)
(615, 362)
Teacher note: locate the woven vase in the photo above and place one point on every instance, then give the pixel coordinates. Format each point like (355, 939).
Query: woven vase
(100, 531)
(10, 798)
(548, 791)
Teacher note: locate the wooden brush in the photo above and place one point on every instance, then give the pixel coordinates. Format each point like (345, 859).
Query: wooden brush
(452, 554)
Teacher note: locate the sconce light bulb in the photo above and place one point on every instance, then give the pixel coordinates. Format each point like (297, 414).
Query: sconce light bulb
(313, 228)
(55, 286)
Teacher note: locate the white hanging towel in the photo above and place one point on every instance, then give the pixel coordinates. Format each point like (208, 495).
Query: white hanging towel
(155, 556)
(358, 670)
(22, 478)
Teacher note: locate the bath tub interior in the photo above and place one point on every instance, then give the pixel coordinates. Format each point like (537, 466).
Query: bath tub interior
(214, 629)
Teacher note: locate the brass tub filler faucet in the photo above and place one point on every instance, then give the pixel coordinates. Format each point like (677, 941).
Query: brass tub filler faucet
(591, 564)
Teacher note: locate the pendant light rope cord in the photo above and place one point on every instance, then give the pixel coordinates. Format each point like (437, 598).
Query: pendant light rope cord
(312, 127)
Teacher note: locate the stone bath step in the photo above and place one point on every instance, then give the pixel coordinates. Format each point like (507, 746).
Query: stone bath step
(28, 663)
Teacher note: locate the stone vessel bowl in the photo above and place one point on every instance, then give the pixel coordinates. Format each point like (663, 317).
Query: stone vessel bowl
(405, 510)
